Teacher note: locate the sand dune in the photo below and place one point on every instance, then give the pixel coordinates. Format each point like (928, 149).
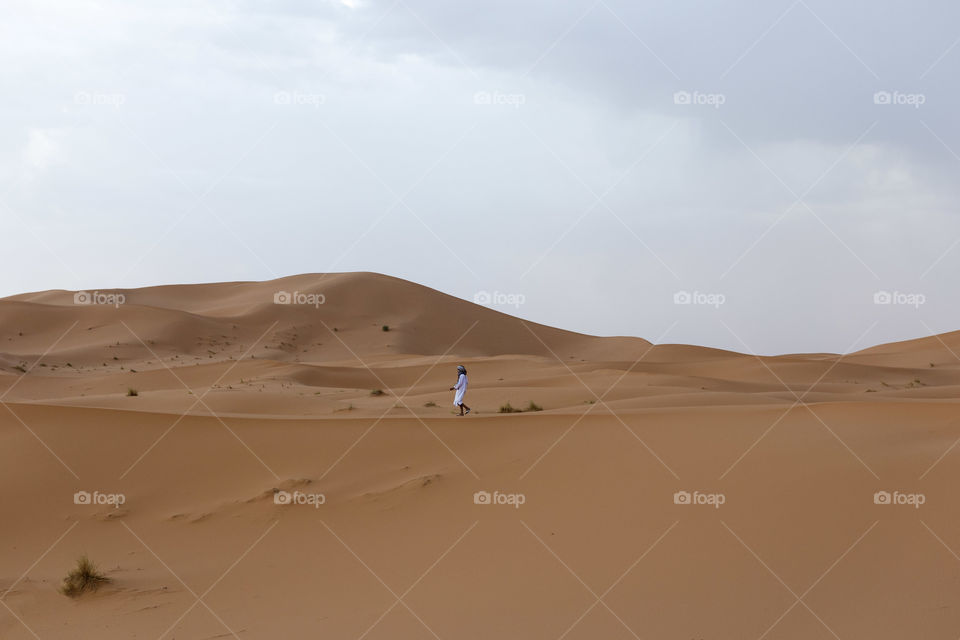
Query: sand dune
(240, 400)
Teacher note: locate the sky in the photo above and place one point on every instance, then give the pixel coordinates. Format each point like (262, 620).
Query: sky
(770, 176)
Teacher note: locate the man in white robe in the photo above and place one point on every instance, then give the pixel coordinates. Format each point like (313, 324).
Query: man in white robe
(461, 389)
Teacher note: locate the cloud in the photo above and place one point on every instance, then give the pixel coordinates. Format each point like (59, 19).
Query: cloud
(534, 148)
(43, 149)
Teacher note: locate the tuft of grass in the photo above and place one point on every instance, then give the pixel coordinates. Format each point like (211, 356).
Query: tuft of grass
(431, 403)
(20, 368)
(376, 392)
(870, 391)
(385, 327)
(83, 577)
(132, 392)
(508, 408)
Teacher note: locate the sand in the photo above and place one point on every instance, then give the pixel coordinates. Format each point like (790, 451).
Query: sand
(241, 402)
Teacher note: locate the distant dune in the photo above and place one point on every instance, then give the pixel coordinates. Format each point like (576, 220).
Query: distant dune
(201, 404)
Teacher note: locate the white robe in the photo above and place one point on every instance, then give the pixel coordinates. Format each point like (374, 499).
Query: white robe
(461, 389)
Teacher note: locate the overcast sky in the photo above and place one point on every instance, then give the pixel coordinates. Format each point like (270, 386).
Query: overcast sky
(583, 162)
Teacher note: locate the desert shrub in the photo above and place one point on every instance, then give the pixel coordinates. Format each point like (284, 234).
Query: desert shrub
(83, 577)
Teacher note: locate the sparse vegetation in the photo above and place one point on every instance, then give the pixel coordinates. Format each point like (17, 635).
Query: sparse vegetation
(132, 392)
(385, 327)
(84, 577)
(506, 407)
(20, 368)
(431, 403)
(377, 392)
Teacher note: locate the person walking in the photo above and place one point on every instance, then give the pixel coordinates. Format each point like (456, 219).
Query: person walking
(461, 389)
